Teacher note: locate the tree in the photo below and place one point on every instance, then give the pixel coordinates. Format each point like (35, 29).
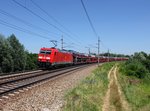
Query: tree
(13, 56)
(6, 61)
(31, 62)
(17, 53)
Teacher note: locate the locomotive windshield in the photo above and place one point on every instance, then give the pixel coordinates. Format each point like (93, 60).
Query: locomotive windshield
(45, 52)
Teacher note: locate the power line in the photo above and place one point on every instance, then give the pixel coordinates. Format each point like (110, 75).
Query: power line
(40, 17)
(47, 13)
(35, 14)
(24, 22)
(21, 29)
(94, 31)
(92, 26)
(50, 16)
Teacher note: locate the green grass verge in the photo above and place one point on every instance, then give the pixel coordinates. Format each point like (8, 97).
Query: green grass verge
(137, 92)
(88, 95)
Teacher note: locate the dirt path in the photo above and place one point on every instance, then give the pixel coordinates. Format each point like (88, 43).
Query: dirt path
(114, 98)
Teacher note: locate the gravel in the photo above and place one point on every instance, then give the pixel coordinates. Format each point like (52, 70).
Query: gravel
(48, 96)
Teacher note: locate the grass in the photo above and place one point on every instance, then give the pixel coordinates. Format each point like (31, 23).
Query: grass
(88, 95)
(137, 92)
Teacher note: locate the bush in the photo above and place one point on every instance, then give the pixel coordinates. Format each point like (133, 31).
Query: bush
(135, 68)
(138, 65)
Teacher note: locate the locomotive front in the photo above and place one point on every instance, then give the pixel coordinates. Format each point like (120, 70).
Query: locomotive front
(44, 57)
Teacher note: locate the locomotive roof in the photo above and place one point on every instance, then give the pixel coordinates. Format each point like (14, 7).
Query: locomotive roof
(56, 49)
(44, 48)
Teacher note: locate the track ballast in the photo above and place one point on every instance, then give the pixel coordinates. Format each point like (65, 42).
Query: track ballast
(10, 84)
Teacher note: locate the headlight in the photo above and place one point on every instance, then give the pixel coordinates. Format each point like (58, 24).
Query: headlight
(40, 57)
(47, 57)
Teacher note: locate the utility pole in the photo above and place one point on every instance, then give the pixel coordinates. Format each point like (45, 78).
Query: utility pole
(88, 50)
(98, 49)
(54, 42)
(62, 43)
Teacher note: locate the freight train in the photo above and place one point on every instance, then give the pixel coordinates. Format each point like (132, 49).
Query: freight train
(52, 57)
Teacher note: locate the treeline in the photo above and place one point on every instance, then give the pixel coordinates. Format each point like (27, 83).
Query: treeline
(14, 57)
(138, 66)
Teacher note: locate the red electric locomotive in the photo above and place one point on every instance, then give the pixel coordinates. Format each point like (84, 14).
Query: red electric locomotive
(53, 57)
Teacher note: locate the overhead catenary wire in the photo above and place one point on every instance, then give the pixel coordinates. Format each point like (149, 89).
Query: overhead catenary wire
(92, 26)
(40, 17)
(25, 22)
(54, 19)
(37, 15)
(88, 17)
(22, 29)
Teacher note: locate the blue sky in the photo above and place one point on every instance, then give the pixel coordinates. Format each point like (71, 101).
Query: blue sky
(123, 25)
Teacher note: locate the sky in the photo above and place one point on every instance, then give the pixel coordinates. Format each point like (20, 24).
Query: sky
(122, 25)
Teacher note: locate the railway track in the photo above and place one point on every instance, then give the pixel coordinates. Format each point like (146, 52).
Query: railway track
(10, 84)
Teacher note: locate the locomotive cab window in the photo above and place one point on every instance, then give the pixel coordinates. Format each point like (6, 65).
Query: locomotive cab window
(45, 52)
(48, 52)
(42, 52)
